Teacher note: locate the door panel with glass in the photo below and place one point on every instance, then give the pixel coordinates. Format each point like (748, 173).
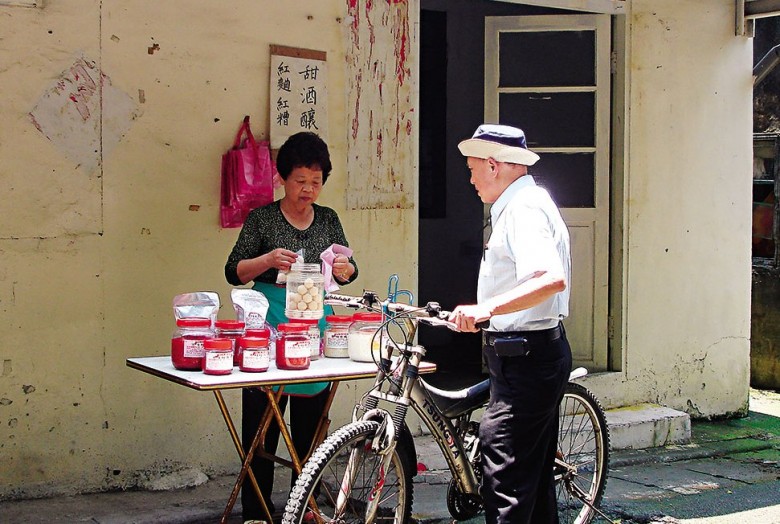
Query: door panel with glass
(550, 76)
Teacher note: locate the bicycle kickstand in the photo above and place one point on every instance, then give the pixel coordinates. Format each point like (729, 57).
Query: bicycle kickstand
(584, 500)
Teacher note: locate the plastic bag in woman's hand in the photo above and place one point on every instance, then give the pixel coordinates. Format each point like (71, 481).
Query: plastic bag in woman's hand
(328, 257)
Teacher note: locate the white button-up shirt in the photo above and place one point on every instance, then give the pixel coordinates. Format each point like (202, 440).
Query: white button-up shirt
(529, 235)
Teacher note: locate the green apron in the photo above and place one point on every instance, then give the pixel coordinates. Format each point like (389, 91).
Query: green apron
(277, 297)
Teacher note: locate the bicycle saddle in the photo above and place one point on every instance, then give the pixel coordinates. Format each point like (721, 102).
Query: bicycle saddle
(457, 402)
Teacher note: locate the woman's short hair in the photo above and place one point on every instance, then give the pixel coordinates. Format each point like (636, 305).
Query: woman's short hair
(304, 149)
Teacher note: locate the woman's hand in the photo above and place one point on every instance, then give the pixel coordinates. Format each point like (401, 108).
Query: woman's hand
(281, 259)
(342, 268)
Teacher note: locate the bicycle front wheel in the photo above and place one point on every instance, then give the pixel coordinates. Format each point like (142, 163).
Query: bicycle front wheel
(343, 474)
(583, 455)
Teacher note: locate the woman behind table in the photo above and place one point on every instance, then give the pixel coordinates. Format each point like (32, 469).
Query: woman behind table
(268, 243)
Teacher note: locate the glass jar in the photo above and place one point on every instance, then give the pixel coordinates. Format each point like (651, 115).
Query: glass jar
(292, 346)
(315, 337)
(187, 342)
(264, 332)
(335, 338)
(255, 354)
(230, 329)
(218, 356)
(305, 292)
(258, 332)
(363, 341)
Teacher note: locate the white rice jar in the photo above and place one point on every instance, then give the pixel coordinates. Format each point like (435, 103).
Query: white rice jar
(363, 342)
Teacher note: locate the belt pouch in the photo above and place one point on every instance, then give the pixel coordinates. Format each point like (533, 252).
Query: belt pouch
(511, 347)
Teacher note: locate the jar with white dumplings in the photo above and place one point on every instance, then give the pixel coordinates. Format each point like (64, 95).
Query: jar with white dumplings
(305, 292)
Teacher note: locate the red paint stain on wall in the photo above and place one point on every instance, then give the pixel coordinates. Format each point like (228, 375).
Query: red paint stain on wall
(380, 38)
(356, 113)
(85, 89)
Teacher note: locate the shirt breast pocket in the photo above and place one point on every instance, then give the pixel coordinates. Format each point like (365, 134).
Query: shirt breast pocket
(497, 255)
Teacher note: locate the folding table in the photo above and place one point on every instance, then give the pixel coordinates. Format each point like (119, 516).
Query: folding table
(272, 382)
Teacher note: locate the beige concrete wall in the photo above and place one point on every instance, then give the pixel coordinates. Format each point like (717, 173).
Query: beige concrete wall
(686, 237)
(90, 258)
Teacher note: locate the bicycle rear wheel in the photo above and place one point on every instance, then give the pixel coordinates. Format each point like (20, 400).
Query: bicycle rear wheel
(324, 473)
(583, 455)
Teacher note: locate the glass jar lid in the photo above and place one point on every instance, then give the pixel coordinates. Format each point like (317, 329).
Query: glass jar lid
(338, 318)
(258, 332)
(367, 317)
(253, 342)
(229, 324)
(292, 327)
(218, 343)
(303, 267)
(193, 322)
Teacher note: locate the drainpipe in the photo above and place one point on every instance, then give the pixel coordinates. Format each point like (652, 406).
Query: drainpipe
(765, 66)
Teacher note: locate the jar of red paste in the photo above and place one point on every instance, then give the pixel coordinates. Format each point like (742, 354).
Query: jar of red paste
(230, 329)
(292, 346)
(258, 332)
(255, 354)
(218, 356)
(187, 342)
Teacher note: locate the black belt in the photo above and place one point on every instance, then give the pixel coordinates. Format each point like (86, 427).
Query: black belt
(533, 337)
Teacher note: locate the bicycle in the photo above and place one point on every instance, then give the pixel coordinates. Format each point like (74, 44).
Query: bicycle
(363, 471)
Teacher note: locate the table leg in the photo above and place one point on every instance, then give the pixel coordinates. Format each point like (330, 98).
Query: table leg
(324, 424)
(246, 461)
(319, 436)
(271, 411)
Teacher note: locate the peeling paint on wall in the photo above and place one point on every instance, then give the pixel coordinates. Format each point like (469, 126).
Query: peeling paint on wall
(380, 162)
(83, 114)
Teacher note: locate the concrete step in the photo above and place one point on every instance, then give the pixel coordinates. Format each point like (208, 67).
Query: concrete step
(647, 426)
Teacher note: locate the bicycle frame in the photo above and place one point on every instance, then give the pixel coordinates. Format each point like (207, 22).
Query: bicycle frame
(580, 469)
(411, 391)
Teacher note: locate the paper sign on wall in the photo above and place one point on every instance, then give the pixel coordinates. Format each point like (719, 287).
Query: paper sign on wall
(298, 93)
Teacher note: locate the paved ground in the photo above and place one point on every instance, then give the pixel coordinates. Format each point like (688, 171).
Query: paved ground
(730, 473)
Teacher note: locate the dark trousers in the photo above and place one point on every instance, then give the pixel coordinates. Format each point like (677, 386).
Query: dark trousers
(305, 413)
(519, 432)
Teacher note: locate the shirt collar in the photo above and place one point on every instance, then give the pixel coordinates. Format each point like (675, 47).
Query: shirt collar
(503, 200)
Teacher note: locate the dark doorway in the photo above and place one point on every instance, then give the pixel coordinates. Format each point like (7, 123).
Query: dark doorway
(452, 67)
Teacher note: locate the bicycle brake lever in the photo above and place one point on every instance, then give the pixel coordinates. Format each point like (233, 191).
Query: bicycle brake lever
(434, 309)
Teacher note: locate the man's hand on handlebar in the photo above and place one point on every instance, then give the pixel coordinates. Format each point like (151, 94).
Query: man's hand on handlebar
(470, 318)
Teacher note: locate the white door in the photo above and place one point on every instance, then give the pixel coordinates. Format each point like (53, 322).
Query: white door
(550, 76)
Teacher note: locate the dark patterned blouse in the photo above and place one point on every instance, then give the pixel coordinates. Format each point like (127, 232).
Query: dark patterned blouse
(266, 229)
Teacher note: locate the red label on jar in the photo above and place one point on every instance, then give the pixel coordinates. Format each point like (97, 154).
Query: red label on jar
(293, 351)
(218, 362)
(181, 360)
(255, 359)
(193, 347)
(297, 349)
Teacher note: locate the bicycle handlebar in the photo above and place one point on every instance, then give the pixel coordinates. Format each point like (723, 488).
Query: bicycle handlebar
(431, 313)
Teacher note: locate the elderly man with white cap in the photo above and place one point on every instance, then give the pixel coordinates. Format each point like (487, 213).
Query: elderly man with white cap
(523, 293)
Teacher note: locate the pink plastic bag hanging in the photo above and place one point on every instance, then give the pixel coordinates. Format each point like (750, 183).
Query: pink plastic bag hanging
(247, 177)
